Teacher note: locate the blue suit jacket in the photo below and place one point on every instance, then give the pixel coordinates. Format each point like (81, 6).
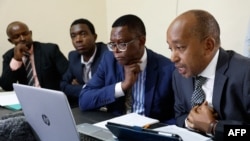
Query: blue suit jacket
(75, 71)
(50, 65)
(159, 97)
(231, 94)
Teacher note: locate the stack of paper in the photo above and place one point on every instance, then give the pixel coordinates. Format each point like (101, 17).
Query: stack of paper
(131, 119)
(9, 100)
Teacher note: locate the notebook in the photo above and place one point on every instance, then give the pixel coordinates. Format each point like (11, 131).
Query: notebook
(49, 114)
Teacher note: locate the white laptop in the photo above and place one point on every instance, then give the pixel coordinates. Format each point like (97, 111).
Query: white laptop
(49, 114)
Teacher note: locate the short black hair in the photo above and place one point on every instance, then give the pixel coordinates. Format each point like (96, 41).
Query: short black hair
(133, 22)
(84, 21)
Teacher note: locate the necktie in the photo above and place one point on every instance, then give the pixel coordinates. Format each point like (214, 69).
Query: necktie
(198, 96)
(128, 101)
(86, 73)
(29, 71)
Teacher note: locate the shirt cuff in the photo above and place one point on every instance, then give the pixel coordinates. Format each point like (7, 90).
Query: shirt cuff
(186, 125)
(14, 64)
(118, 90)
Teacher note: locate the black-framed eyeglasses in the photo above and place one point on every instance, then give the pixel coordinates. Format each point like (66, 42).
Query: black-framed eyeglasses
(120, 46)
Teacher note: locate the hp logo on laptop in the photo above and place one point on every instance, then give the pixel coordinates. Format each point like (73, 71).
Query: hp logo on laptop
(45, 119)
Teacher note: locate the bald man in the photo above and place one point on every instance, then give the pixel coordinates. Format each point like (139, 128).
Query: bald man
(47, 61)
(194, 41)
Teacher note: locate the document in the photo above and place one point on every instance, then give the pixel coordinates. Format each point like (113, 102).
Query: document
(185, 134)
(8, 98)
(131, 119)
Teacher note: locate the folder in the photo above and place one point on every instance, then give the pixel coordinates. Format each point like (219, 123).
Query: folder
(14, 107)
(136, 133)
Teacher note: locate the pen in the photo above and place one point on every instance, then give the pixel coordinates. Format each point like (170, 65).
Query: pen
(165, 134)
(146, 126)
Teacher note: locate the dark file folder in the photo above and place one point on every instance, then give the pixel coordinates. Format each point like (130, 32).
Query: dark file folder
(128, 133)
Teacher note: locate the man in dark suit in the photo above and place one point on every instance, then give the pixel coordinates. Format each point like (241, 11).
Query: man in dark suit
(131, 70)
(194, 39)
(47, 61)
(86, 56)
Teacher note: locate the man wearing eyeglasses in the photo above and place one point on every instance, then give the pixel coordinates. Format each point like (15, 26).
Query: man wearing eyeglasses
(131, 69)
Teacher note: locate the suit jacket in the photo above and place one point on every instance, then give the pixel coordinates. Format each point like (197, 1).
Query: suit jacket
(100, 90)
(75, 71)
(231, 94)
(50, 64)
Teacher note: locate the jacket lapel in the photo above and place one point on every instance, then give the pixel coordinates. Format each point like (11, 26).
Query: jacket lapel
(37, 59)
(220, 79)
(150, 75)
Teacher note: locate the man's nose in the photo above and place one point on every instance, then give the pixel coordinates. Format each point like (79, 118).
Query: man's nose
(174, 56)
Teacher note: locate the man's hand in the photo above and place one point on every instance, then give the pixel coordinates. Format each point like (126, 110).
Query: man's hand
(200, 117)
(74, 82)
(20, 50)
(131, 72)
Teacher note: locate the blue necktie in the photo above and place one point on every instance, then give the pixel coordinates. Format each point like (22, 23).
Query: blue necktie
(198, 96)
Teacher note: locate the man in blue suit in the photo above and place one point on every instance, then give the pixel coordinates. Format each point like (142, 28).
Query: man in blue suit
(131, 70)
(194, 39)
(83, 61)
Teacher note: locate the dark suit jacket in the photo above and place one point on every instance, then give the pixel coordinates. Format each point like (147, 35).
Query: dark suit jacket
(100, 90)
(50, 65)
(231, 94)
(75, 71)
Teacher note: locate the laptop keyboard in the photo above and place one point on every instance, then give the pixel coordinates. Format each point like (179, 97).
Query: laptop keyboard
(89, 132)
(84, 137)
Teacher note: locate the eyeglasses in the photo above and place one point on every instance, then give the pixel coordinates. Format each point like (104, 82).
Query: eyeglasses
(119, 46)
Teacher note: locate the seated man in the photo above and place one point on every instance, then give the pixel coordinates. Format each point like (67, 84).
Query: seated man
(131, 78)
(83, 61)
(46, 64)
(223, 97)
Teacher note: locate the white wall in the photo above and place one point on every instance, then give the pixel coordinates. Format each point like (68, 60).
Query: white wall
(50, 19)
(232, 16)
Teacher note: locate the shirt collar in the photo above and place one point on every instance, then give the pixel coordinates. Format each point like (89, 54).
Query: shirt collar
(209, 71)
(31, 50)
(143, 60)
(90, 60)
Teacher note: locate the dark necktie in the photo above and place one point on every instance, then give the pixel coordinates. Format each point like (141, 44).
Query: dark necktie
(198, 96)
(29, 71)
(128, 101)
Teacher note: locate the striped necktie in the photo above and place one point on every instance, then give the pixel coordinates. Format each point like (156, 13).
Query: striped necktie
(128, 101)
(198, 96)
(28, 67)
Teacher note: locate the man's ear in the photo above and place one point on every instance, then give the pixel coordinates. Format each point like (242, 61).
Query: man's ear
(10, 41)
(142, 40)
(210, 44)
(95, 37)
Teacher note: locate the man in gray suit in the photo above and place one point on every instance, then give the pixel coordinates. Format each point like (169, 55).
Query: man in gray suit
(47, 61)
(194, 39)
